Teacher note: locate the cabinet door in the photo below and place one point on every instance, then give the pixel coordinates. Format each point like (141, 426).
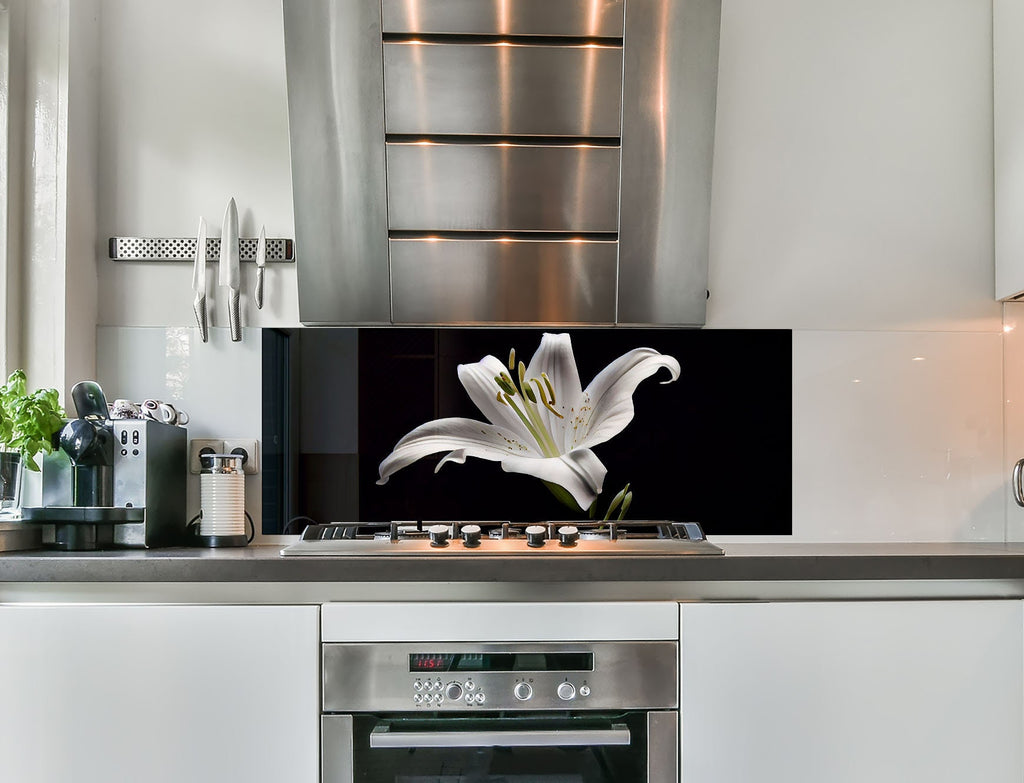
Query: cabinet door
(162, 694)
(908, 692)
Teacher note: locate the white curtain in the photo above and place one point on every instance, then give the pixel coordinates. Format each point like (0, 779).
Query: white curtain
(5, 113)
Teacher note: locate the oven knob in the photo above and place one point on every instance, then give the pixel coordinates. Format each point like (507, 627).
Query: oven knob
(453, 692)
(470, 685)
(584, 690)
(568, 535)
(438, 535)
(417, 686)
(471, 535)
(522, 691)
(479, 698)
(566, 691)
(536, 535)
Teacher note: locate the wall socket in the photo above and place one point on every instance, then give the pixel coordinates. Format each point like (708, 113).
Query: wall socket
(250, 446)
(251, 449)
(197, 446)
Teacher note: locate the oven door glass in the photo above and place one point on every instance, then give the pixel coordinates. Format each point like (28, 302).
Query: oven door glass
(500, 749)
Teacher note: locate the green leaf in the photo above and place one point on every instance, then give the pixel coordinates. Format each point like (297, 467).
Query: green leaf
(28, 422)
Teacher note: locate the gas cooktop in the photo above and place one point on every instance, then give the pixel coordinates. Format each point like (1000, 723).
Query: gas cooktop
(634, 538)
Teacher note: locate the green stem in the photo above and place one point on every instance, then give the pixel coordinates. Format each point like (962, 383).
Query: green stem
(563, 496)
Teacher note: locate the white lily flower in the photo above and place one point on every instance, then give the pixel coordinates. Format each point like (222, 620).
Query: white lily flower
(540, 421)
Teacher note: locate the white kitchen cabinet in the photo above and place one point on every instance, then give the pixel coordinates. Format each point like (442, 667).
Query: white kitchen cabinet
(1008, 150)
(849, 692)
(161, 694)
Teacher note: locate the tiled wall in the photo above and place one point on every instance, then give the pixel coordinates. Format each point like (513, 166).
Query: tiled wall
(852, 203)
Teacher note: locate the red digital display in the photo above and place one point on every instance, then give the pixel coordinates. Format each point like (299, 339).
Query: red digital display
(430, 662)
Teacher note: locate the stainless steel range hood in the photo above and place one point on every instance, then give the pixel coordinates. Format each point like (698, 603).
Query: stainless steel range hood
(502, 161)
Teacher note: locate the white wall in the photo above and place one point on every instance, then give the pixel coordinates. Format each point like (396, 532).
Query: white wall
(852, 203)
(193, 112)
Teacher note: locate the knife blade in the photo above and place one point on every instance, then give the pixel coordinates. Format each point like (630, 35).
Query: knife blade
(261, 262)
(199, 282)
(229, 273)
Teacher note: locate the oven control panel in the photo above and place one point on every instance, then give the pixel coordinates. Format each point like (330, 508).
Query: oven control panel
(513, 676)
(444, 693)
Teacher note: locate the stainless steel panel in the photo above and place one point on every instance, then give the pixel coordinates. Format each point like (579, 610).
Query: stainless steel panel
(336, 748)
(502, 89)
(494, 281)
(598, 18)
(670, 68)
(502, 187)
(375, 677)
(336, 124)
(663, 747)
(616, 734)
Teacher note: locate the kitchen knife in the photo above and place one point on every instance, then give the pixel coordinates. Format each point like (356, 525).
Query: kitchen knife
(261, 262)
(229, 275)
(199, 281)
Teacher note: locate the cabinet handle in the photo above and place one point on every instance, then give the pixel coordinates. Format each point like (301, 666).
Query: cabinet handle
(1018, 487)
(382, 737)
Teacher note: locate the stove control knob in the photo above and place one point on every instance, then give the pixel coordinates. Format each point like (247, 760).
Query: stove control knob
(453, 692)
(522, 691)
(568, 535)
(438, 535)
(566, 691)
(536, 535)
(471, 535)
(584, 690)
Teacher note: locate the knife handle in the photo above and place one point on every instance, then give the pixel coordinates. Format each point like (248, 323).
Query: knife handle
(199, 306)
(258, 295)
(234, 317)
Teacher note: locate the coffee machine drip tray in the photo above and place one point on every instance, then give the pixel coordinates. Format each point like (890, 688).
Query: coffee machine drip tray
(90, 515)
(78, 528)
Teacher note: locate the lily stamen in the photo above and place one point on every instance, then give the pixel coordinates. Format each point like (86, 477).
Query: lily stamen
(551, 389)
(544, 399)
(505, 384)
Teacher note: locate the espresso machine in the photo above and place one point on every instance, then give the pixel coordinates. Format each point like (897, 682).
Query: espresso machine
(112, 483)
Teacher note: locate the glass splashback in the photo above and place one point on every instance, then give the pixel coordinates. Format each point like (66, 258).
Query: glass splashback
(714, 446)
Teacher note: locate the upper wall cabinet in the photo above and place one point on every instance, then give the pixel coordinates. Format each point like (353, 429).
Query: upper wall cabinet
(502, 161)
(1008, 124)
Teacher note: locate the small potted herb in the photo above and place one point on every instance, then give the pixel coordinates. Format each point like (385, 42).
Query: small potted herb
(28, 423)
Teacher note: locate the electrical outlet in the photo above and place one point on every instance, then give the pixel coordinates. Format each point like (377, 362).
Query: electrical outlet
(196, 446)
(251, 449)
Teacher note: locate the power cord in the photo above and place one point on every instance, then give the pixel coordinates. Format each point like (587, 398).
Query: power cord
(248, 539)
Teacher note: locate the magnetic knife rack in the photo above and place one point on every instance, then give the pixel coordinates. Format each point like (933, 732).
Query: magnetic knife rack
(279, 251)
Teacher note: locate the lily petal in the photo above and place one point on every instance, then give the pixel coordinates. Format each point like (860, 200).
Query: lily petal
(555, 358)
(610, 395)
(472, 438)
(580, 472)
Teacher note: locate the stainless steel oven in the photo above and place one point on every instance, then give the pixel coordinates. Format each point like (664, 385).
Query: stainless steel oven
(517, 712)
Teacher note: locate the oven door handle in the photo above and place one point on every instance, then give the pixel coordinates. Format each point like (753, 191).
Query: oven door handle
(383, 737)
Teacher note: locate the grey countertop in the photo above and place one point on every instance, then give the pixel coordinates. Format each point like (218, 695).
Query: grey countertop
(741, 563)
